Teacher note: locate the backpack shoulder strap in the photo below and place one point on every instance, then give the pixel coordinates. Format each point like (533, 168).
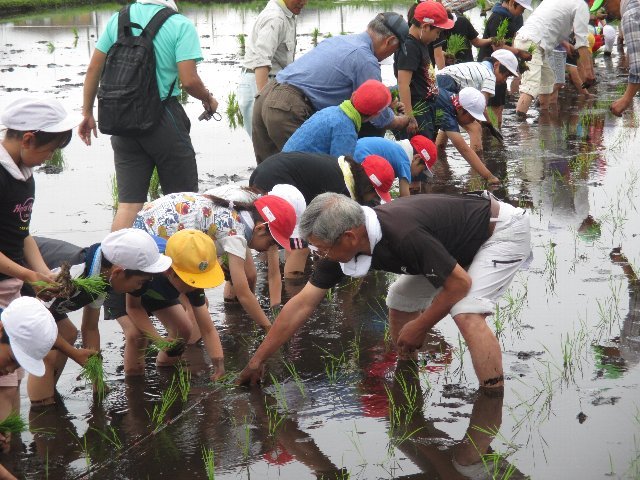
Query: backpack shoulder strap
(156, 22)
(124, 22)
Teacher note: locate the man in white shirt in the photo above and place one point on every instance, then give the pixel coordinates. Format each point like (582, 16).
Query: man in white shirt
(271, 47)
(547, 26)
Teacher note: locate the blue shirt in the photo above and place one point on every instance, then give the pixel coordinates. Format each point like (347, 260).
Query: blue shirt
(332, 71)
(327, 131)
(387, 149)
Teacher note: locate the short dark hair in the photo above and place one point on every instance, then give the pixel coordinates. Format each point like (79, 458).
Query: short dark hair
(43, 138)
(502, 69)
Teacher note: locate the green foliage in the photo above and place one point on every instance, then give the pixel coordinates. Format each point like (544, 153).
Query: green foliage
(234, 116)
(314, 36)
(502, 31)
(155, 191)
(93, 372)
(169, 397)
(184, 381)
(50, 47)
(209, 462)
(115, 202)
(456, 44)
(158, 345)
(57, 160)
(14, 423)
(94, 285)
(242, 42)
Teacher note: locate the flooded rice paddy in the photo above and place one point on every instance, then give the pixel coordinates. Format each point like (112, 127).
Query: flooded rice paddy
(337, 404)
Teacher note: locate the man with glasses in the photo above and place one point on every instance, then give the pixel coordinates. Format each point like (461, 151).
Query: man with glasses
(457, 254)
(325, 77)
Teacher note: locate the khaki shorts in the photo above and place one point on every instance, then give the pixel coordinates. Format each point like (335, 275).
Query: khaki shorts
(540, 78)
(491, 271)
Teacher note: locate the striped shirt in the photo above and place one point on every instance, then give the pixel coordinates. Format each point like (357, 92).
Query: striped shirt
(478, 75)
(631, 28)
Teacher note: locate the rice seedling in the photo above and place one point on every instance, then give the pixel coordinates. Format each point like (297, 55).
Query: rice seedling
(482, 5)
(84, 448)
(13, 424)
(110, 436)
(296, 377)
(314, 36)
(550, 265)
(158, 345)
(168, 398)
(274, 418)
(155, 191)
(419, 108)
(532, 48)
(115, 202)
(333, 367)
(242, 42)
(328, 35)
(581, 163)
(329, 294)
(50, 47)
(234, 116)
(93, 372)
(94, 285)
(492, 117)
(501, 32)
(279, 394)
(56, 163)
(209, 462)
(354, 349)
(184, 381)
(76, 36)
(456, 44)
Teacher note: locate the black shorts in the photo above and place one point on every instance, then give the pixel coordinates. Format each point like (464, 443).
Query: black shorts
(115, 305)
(500, 97)
(168, 147)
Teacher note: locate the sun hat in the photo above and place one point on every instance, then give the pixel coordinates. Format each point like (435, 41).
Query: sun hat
(44, 115)
(433, 13)
(508, 59)
(294, 196)
(526, 4)
(398, 25)
(381, 175)
(371, 97)
(195, 259)
(134, 249)
(32, 331)
(279, 215)
(596, 5)
(473, 102)
(427, 150)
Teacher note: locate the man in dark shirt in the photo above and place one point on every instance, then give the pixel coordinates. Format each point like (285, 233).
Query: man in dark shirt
(457, 255)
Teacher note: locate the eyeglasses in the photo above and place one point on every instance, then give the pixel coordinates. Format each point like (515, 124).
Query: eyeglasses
(323, 253)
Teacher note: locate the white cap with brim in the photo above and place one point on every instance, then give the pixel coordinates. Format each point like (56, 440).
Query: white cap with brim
(44, 115)
(294, 196)
(526, 4)
(134, 249)
(507, 59)
(32, 331)
(473, 102)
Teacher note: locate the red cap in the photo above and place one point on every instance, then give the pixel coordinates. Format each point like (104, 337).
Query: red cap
(426, 149)
(433, 13)
(371, 97)
(380, 175)
(280, 216)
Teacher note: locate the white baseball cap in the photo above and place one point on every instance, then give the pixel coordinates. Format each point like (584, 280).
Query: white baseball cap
(473, 102)
(134, 249)
(406, 146)
(32, 331)
(39, 114)
(294, 196)
(508, 59)
(526, 4)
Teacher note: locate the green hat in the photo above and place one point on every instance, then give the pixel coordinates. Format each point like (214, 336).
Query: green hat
(596, 5)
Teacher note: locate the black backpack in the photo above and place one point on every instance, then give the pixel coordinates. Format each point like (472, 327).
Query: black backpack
(128, 98)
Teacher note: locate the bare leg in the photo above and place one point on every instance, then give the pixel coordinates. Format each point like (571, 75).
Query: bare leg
(475, 136)
(296, 262)
(134, 347)
(524, 103)
(178, 325)
(484, 348)
(544, 101)
(441, 139)
(125, 215)
(397, 320)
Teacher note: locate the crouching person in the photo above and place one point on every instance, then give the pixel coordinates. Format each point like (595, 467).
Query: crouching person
(458, 254)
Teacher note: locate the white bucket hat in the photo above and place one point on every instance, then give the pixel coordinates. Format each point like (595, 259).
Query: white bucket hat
(508, 59)
(32, 331)
(294, 196)
(134, 249)
(43, 114)
(526, 4)
(473, 102)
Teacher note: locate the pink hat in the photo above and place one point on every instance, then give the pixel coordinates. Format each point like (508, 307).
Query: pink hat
(433, 13)
(371, 97)
(426, 149)
(381, 175)
(280, 216)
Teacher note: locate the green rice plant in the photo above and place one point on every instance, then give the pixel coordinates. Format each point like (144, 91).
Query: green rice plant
(93, 372)
(420, 108)
(246, 447)
(56, 161)
(328, 35)
(551, 265)
(314, 36)
(184, 381)
(456, 44)
(329, 294)
(492, 117)
(155, 191)
(84, 448)
(76, 36)
(532, 48)
(94, 285)
(110, 436)
(275, 418)
(234, 116)
(280, 395)
(13, 424)
(242, 42)
(296, 377)
(115, 202)
(50, 47)
(209, 462)
(501, 32)
(158, 345)
(168, 398)
(581, 163)
(482, 5)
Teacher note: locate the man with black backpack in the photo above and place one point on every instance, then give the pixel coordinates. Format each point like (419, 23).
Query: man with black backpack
(144, 52)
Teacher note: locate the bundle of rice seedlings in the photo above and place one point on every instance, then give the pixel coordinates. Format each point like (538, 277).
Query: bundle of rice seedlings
(14, 423)
(158, 345)
(93, 372)
(502, 31)
(94, 285)
(455, 44)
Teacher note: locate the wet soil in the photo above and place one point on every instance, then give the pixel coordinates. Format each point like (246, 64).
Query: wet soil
(569, 325)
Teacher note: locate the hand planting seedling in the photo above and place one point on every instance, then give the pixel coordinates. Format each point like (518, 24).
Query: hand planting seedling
(173, 348)
(65, 287)
(93, 372)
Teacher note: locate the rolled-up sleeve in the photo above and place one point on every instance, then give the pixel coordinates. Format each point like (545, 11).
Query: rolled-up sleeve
(631, 30)
(581, 25)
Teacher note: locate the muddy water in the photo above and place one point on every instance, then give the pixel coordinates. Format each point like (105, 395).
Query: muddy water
(569, 326)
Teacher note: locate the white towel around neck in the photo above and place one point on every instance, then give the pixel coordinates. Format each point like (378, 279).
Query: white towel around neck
(359, 265)
(163, 3)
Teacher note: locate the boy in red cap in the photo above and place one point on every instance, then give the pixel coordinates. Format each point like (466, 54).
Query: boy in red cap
(413, 69)
(334, 130)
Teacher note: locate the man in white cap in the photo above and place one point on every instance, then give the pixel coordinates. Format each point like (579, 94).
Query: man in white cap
(125, 260)
(453, 111)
